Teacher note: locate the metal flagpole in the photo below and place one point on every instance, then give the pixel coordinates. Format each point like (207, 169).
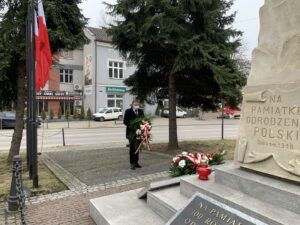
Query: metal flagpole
(29, 45)
(31, 101)
(35, 180)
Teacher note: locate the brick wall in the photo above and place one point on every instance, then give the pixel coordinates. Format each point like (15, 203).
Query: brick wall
(53, 85)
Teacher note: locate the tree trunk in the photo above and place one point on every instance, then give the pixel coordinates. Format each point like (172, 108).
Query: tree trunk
(173, 139)
(18, 131)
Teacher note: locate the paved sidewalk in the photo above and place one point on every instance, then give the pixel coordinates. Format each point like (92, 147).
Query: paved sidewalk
(69, 210)
(88, 174)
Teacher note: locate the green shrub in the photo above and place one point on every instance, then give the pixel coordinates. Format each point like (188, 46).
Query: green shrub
(75, 116)
(59, 114)
(67, 116)
(89, 114)
(43, 115)
(51, 114)
(82, 113)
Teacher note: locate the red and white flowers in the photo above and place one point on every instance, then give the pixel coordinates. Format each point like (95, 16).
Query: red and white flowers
(143, 134)
(186, 162)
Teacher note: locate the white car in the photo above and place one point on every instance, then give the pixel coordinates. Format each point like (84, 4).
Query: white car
(110, 113)
(179, 113)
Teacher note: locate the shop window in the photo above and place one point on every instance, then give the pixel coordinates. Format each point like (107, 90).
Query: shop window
(115, 100)
(42, 105)
(115, 70)
(67, 105)
(66, 76)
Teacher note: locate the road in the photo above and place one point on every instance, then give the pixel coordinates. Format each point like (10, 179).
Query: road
(115, 136)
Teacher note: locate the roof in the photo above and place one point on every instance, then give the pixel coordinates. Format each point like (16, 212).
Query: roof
(100, 34)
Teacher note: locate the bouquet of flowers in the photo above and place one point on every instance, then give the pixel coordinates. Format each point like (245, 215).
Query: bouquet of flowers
(182, 165)
(186, 163)
(141, 132)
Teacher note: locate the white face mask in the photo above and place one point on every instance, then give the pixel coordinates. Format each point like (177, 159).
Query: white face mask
(135, 107)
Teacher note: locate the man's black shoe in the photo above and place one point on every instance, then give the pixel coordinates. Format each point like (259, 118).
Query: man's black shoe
(138, 166)
(132, 167)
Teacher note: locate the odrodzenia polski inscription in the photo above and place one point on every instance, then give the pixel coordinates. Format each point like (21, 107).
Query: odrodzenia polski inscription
(275, 121)
(269, 136)
(204, 210)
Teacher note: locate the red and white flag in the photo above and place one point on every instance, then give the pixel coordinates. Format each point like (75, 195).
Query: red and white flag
(42, 49)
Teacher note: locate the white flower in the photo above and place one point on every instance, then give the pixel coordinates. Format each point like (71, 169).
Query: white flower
(138, 132)
(182, 163)
(184, 153)
(175, 159)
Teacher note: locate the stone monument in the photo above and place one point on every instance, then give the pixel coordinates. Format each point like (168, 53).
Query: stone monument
(269, 136)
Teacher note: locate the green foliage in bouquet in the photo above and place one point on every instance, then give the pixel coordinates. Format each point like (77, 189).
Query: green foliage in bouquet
(135, 125)
(216, 159)
(183, 166)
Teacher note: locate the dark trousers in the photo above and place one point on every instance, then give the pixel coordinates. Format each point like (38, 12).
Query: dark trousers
(133, 158)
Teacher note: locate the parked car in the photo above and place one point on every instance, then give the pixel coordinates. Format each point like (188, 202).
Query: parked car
(110, 113)
(179, 113)
(229, 113)
(7, 119)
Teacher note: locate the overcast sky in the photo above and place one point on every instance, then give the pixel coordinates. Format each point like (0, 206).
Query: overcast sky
(247, 19)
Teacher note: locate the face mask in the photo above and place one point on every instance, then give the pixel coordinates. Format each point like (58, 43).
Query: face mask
(136, 107)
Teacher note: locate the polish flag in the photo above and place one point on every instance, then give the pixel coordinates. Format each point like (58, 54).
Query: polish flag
(42, 49)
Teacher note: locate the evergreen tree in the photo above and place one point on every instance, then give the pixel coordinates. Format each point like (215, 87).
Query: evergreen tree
(75, 115)
(65, 24)
(51, 114)
(89, 114)
(67, 116)
(43, 115)
(59, 114)
(82, 113)
(184, 47)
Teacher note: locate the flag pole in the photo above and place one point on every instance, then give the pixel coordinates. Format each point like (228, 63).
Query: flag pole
(31, 102)
(30, 69)
(29, 77)
(35, 179)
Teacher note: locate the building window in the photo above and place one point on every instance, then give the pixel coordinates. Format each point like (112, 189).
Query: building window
(115, 70)
(115, 100)
(66, 76)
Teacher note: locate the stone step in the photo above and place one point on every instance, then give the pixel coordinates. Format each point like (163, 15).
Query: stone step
(166, 202)
(257, 208)
(123, 209)
(271, 190)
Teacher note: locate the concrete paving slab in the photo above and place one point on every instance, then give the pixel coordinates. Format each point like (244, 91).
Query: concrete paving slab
(107, 165)
(123, 209)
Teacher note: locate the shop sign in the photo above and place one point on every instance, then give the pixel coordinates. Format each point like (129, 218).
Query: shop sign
(115, 89)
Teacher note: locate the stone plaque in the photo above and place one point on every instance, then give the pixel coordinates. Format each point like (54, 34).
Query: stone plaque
(204, 210)
(269, 136)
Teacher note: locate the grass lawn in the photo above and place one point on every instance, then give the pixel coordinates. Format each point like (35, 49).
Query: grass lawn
(47, 180)
(205, 146)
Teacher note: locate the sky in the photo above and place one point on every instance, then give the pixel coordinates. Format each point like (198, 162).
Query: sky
(247, 19)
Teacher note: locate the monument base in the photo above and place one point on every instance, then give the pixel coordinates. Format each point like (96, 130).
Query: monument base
(266, 199)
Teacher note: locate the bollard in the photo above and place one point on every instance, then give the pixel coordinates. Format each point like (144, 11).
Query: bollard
(63, 135)
(14, 198)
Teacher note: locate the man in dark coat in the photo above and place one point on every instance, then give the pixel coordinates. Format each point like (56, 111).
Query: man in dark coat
(130, 115)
